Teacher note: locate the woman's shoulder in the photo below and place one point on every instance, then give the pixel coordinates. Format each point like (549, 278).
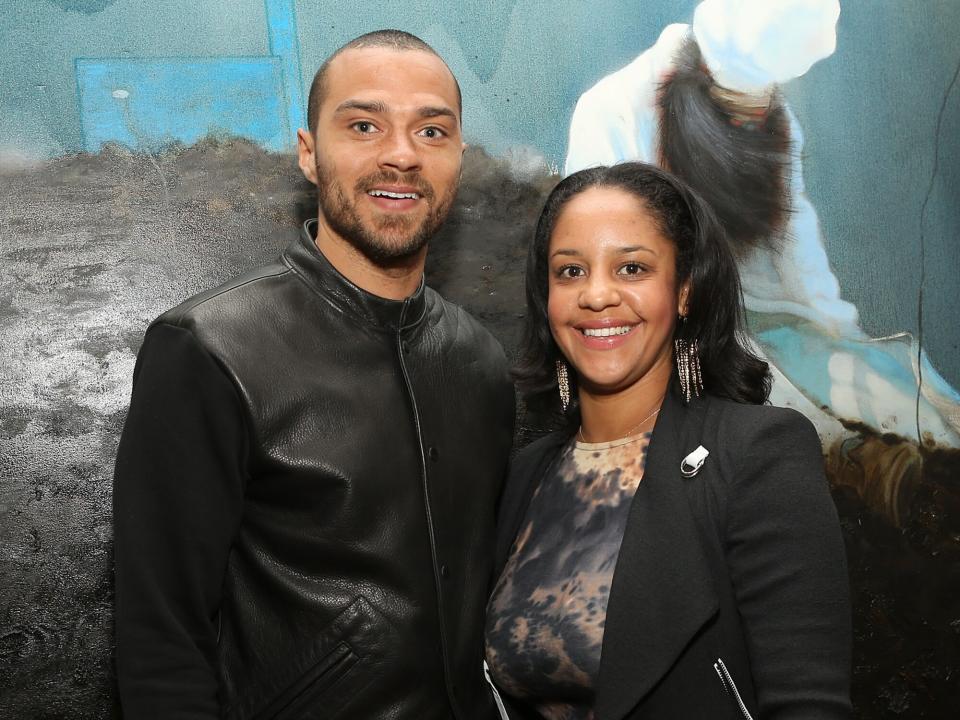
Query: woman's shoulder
(777, 444)
(732, 419)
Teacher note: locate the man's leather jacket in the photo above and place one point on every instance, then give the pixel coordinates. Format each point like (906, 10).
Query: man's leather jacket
(304, 502)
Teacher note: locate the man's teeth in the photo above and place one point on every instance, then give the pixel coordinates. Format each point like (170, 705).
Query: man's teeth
(393, 195)
(606, 332)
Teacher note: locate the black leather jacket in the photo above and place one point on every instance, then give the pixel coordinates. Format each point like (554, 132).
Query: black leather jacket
(304, 502)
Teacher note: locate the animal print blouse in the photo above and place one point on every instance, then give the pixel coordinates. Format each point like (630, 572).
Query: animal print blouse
(546, 615)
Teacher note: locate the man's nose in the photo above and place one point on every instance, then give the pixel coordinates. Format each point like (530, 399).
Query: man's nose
(399, 152)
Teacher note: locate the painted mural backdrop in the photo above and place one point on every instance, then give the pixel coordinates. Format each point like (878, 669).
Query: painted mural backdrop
(144, 155)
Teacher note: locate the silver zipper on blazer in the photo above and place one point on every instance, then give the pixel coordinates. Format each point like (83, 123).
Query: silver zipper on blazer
(496, 693)
(730, 686)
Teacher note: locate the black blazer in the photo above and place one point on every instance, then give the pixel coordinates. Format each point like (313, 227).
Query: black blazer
(730, 597)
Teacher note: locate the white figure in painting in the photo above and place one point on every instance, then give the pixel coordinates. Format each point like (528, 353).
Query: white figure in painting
(704, 101)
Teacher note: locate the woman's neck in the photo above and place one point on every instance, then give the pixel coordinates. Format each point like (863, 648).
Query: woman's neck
(611, 416)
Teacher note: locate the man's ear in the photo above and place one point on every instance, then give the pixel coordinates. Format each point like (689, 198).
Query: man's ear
(307, 155)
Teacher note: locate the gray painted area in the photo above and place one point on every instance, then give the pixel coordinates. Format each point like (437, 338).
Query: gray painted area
(94, 246)
(92, 249)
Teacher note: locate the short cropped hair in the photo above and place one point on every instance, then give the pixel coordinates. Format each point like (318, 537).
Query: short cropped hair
(393, 39)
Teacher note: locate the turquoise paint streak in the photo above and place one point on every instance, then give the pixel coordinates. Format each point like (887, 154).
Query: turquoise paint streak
(284, 45)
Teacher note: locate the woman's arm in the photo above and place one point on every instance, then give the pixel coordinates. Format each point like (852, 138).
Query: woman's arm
(787, 563)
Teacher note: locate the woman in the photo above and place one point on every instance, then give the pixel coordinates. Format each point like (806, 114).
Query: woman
(674, 552)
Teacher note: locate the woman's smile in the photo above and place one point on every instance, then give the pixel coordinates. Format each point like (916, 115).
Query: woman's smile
(613, 298)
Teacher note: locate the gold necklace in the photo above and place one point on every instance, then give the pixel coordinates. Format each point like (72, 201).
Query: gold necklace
(629, 432)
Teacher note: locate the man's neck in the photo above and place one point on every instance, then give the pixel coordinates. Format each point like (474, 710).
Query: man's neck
(394, 282)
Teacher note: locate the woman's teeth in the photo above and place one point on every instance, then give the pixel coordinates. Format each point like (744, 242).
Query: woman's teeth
(607, 332)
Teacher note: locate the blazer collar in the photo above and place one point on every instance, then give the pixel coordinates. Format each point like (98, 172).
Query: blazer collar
(304, 258)
(662, 591)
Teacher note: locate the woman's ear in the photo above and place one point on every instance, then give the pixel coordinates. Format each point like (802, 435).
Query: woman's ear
(683, 299)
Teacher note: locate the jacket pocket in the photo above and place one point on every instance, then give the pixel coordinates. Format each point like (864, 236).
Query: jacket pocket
(731, 687)
(329, 672)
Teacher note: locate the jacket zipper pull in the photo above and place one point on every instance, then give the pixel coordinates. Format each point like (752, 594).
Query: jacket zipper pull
(692, 463)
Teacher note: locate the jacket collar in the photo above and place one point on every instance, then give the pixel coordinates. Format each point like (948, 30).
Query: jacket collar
(663, 591)
(304, 258)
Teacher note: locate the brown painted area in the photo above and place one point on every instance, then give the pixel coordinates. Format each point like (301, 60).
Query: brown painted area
(900, 513)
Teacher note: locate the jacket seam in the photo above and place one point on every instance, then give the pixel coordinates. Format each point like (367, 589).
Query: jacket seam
(190, 305)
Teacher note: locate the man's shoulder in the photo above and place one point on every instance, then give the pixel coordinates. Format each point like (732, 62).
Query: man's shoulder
(227, 300)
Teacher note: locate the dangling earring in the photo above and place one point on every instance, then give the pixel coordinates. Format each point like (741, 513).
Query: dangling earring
(687, 357)
(563, 383)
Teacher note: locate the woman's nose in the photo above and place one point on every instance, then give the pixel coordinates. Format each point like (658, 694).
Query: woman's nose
(599, 293)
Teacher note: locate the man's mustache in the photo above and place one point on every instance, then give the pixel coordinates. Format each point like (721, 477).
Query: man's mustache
(411, 180)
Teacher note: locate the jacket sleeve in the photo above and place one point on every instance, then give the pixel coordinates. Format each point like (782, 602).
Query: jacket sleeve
(788, 568)
(178, 489)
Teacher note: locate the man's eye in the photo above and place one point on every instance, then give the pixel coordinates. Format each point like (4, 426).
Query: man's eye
(632, 269)
(433, 133)
(364, 127)
(570, 271)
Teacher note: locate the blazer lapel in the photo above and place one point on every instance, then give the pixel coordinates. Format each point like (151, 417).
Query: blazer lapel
(662, 591)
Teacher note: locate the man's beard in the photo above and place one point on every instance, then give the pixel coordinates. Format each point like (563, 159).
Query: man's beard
(392, 238)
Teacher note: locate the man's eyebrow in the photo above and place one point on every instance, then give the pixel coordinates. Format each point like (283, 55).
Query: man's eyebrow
(438, 111)
(379, 108)
(371, 106)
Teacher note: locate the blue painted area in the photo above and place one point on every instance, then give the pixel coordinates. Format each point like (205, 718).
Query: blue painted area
(285, 45)
(147, 104)
(874, 381)
(803, 354)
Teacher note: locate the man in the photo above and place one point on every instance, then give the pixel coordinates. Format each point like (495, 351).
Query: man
(305, 484)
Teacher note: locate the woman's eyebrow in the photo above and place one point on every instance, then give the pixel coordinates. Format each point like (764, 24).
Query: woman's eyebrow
(636, 248)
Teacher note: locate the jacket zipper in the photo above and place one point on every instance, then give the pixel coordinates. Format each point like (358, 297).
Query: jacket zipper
(429, 512)
(730, 686)
(496, 693)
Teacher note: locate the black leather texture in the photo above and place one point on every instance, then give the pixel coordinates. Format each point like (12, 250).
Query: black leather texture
(375, 437)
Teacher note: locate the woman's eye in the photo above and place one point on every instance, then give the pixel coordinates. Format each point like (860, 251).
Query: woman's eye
(631, 269)
(570, 271)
